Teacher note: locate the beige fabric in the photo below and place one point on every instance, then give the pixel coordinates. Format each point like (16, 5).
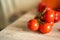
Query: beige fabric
(19, 31)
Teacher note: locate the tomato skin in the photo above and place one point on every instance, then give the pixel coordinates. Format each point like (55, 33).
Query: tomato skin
(33, 25)
(57, 16)
(45, 28)
(41, 7)
(52, 23)
(49, 15)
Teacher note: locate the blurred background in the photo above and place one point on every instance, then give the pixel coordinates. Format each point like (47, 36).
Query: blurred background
(10, 10)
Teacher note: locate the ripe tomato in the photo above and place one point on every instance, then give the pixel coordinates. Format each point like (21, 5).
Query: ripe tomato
(57, 9)
(45, 28)
(57, 16)
(33, 24)
(49, 15)
(52, 23)
(41, 7)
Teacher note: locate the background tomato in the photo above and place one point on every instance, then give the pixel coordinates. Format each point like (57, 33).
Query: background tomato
(57, 16)
(45, 28)
(33, 24)
(41, 7)
(52, 3)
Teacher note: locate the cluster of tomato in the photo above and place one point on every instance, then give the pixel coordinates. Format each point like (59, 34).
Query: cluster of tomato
(45, 19)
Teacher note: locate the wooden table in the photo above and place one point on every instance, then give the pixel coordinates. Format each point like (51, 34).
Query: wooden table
(18, 30)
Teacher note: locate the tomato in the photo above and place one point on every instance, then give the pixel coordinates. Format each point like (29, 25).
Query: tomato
(45, 28)
(57, 9)
(57, 16)
(41, 7)
(33, 24)
(49, 15)
(52, 23)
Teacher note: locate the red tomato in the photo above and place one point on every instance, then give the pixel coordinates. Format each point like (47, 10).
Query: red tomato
(33, 24)
(41, 7)
(49, 15)
(52, 23)
(45, 28)
(57, 9)
(57, 16)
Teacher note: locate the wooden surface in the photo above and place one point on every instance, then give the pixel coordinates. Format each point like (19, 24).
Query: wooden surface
(19, 31)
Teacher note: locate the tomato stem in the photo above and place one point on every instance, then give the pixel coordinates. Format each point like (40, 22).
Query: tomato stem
(39, 16)
(43, 12)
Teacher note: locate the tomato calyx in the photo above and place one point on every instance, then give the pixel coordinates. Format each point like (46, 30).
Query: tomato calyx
(39, 17)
